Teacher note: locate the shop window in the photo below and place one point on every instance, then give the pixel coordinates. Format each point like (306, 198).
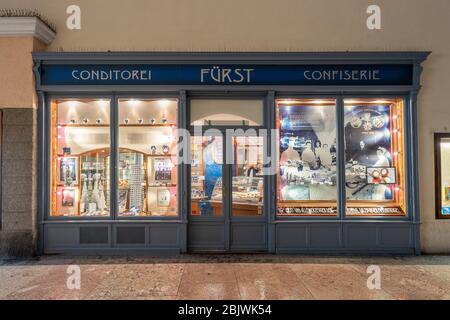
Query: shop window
(147, 175)
(442, 174)
(226, 112)
(307, 157)
(80, 158)
(374, 155)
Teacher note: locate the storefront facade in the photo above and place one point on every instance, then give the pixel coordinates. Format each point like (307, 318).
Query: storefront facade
(228, 152)
(295, 201)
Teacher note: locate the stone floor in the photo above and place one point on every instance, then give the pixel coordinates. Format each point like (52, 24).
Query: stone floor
(226, 277)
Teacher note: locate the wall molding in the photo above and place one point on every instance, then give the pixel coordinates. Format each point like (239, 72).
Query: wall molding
(26, 26)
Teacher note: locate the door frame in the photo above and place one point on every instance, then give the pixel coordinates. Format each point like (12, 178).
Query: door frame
(228, 221)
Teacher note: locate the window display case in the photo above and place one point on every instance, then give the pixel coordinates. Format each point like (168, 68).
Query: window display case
(374, 155)
(147, 174)
(442, 174)
(307, 157)
(80, 152)
(146, 186)
(84, 187)
(80, 177)
(95, 183)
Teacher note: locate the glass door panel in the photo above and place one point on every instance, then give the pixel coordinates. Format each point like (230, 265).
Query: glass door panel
(207, 176)
(247, 181)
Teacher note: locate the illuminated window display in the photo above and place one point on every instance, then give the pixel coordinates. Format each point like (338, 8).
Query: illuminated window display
(442, 174)
(374, 157)
(80, 158)
(147, 177)
(307, 157)
(374, 154)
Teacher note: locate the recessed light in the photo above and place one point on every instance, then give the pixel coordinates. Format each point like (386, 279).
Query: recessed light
(164, 102)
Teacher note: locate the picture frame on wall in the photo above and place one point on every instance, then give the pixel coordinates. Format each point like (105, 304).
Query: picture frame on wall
(162, 168)
(163, 197)
(67, 198)
(123, 200)
(68, 171)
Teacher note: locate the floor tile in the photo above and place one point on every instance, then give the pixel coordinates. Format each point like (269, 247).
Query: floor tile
(269, 281)
(208, 291)
(330, 281)
(412, 282)
(209, 272)
(142, 280)
(226, 277)
(53, 285)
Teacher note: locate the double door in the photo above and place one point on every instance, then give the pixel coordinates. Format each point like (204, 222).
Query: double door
(227, 193)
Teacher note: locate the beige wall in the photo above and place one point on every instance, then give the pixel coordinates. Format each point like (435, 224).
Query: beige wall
(280, 25)
(17, 82)
(19, 146)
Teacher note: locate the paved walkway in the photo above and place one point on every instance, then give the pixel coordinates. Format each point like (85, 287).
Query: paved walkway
(226, 277)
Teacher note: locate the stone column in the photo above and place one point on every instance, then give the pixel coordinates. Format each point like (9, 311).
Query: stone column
(19, 37)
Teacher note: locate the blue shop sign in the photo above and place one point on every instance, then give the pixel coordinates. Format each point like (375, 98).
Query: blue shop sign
(232, 75)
